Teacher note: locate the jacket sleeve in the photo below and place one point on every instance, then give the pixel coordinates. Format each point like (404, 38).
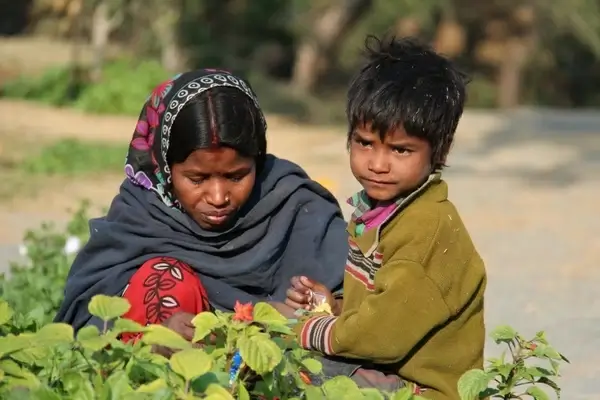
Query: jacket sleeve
(404, 307)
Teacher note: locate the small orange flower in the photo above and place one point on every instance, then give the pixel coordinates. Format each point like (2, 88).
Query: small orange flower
(305, 378)
(243, 312)
(533, 346)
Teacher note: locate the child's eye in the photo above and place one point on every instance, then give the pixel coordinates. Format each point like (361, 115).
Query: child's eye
(402, 150)
(362, 142)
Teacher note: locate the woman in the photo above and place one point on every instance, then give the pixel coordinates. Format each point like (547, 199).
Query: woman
(205, 216)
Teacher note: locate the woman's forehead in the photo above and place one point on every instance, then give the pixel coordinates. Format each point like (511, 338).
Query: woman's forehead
(216, 159)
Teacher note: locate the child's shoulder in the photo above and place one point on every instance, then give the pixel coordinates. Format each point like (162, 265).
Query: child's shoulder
(429, 220)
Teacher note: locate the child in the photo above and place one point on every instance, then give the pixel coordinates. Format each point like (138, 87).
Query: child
(412, 308)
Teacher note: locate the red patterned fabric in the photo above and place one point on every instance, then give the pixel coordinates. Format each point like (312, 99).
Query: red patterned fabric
(161, 287)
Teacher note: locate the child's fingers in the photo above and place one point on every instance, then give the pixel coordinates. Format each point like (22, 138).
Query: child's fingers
(307, 282)
(298, 285)
(296, 305)
(297, 297)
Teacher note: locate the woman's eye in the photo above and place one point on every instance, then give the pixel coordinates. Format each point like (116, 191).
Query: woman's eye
(196, 181)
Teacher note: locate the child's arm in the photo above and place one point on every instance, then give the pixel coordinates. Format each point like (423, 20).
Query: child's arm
(405, 306)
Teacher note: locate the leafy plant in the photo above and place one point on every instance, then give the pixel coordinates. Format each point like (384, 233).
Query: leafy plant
(518, 377)
(34, 288)
(74, 157)
(249, 354)
(124, 87)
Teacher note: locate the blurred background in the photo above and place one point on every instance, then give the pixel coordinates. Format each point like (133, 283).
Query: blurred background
(524, 171)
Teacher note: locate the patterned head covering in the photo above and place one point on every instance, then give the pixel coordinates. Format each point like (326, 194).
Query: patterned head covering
(146, 163)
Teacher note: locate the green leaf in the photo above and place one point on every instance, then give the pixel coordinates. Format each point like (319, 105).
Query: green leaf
(216, 392)
(163, 336)
(503, 333)
(78, 386)
(204, 323)
(242, 393)
(117, 385)
(6, 312)
(153, 386)
(12, 368)
(403, 394)
(31, 355)
(341, 387)
(312, 365)
(123, 325)
(55, 333)
(191, 363)
(260, 353)
(12, 343)
(265, 313)
(472, 383)
(537, 393)
(108, 307)
(549, 382)
(89, 338)
(313, 393)
(45, 393)
(88, 332)
(372, 394)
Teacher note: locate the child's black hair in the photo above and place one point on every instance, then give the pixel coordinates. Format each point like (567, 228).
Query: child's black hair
(221, 116)
(407, 84)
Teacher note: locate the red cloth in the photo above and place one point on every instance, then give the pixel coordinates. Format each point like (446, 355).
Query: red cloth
(161, 287)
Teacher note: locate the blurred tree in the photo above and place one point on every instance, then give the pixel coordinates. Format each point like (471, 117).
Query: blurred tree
(322, 37)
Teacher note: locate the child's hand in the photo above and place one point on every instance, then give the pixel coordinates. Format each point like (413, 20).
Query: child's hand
(303, 292)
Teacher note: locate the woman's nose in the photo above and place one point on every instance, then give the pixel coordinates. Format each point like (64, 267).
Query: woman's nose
(218, 195)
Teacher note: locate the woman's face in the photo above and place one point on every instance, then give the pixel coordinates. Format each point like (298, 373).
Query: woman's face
(213, 184)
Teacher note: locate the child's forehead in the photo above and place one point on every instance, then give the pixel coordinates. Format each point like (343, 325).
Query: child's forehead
(392, 134)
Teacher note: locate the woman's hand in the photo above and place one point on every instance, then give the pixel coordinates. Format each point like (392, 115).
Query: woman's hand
(302, 291)
(180, 322)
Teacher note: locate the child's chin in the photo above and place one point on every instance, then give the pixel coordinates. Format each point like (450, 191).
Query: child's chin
(381, 195)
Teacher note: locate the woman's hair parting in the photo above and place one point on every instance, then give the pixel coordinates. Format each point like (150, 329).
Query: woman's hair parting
(406, 84)
(220, 116)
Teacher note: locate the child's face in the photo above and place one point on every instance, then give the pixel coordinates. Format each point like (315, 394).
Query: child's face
(389, 168)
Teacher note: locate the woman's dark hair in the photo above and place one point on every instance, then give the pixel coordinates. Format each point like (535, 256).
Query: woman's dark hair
(221, 116)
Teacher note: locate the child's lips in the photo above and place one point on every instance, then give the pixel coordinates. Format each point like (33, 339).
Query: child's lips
(377, 182)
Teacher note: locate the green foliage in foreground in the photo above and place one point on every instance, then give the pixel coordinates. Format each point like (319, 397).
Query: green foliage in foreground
(43, 360)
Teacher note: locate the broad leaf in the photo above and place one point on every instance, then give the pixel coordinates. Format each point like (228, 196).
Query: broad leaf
(163, 336)
(6, 312)
(472, 383)
(260, 353)
(191, 363)
(204, 323)
(216, 392)
(341, 387)
(503, 333)
(107, 307)
(268, 315)
(55, 333)
(313, 366)
(537, 393)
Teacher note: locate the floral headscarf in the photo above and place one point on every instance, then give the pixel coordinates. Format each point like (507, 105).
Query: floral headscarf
(146, 164)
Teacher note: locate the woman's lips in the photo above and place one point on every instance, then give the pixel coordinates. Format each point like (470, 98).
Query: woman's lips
(216, 217)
